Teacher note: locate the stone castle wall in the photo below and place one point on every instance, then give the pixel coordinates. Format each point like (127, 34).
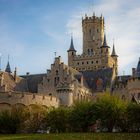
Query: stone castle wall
(26, 99)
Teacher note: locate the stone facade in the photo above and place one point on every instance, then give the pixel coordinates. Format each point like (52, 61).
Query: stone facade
(65, 83)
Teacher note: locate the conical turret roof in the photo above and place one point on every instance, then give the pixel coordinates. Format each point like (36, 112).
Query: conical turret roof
(105, 43)
(113, 51)
(71, 46)
(8, 69)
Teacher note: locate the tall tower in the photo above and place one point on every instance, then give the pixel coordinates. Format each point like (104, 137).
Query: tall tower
(93, 33)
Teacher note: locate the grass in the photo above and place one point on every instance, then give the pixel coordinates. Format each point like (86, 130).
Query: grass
(74, 136)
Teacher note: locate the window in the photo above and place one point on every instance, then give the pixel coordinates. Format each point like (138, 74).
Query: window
(87, 62)
(82, 63)
(56, 72)
(92, 62)
(97, 61)
(97, 30)
(78, 63)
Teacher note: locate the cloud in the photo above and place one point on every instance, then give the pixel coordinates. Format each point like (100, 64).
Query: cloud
(122, 20)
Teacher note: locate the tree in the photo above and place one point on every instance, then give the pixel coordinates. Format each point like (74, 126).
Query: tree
(81, 116)
(11, 120)
(108, 111)
(57, 120)
(133, 111)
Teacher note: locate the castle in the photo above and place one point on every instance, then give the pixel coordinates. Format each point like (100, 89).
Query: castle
(92, 72)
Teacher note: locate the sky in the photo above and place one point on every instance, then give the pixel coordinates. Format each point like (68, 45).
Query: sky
(32, 30)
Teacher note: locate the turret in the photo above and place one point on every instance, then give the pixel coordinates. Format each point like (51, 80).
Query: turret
(71, 52)
(115, 57)
(105, 48)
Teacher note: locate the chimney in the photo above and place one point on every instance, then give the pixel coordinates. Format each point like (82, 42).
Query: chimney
(15, 74)
(133, 71)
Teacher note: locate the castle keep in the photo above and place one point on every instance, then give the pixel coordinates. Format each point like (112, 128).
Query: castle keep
(96, 52)
(94, 71)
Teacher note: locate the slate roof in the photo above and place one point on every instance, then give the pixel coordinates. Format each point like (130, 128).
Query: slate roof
(91, 78)
(19, 85)
(33, 81)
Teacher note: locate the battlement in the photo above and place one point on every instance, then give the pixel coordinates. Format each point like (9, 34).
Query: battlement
(92, 19)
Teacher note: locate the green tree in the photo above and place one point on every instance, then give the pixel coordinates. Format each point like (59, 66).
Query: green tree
(82, 116)
(133, 111)
(108, 110)
(57, 120)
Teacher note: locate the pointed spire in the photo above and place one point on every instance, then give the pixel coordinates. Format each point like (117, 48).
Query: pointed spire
(8, 69)
(105, 43)
(113, 51)
(71, 45)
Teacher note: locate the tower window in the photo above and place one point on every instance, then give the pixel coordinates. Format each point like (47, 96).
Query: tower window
(97, 30)
(78, 63)
(72, 53)
(87, 62)
(92, 62)
(82, 63)
(97, 61)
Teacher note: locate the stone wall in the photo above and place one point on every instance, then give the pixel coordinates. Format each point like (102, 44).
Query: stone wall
(8, 99)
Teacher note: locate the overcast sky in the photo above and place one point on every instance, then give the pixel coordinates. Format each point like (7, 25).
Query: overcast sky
(32, 30)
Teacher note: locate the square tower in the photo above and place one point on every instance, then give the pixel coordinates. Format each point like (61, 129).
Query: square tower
(93, 34)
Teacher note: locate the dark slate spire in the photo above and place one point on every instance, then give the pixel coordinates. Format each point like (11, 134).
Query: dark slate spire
(8, 69)
(105, 43)
(113, 51)
(71, 45)
(138, 69)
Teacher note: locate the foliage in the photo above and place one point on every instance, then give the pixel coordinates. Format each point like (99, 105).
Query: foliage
(12, 120)
(108, 111)
(81, 116)
(57, 120)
